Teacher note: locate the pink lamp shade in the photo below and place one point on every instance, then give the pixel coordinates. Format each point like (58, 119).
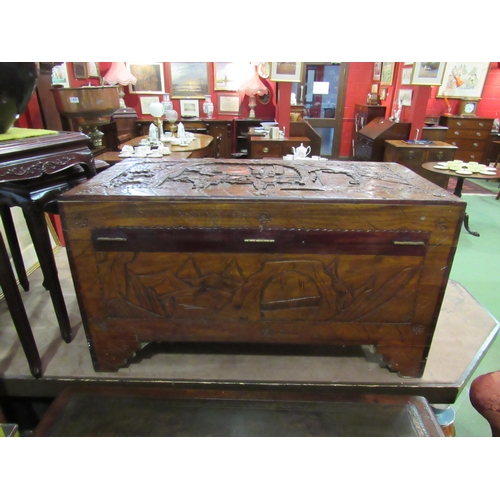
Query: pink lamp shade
(253, 86)
(118, 73)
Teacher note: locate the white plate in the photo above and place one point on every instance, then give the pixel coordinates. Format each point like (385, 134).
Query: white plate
(122, 155)
(464, 172)
(441, 167)
(443, 164)
(488, 172)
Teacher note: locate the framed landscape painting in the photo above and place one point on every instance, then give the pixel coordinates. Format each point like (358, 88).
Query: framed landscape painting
(428, 73)
(464, 79)
(188, 80)
(150, 79)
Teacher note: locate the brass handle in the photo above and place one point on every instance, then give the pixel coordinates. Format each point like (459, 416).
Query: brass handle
(265, 150)
(439, 155)
(409, 242)
(104, 238)
(481, 124)
(459, 124)
(410, 154)
(456, 132)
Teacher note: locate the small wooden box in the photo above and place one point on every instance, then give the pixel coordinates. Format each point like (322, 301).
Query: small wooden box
(261, 251)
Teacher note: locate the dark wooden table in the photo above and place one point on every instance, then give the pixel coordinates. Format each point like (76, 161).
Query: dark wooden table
(430, 166)
(125, 411)
(33, 173)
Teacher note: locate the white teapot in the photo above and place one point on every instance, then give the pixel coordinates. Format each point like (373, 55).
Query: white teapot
(301, 151)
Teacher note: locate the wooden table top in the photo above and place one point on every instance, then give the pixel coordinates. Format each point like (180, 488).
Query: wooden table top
(452, 173)
(201, 141)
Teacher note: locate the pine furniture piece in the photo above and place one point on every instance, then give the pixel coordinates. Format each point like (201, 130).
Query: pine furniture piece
(84, 411)
(262, 252)
(469, 134)
(413, 155)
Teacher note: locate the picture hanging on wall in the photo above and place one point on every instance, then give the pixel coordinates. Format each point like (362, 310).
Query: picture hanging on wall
(377, 70)
(190, 108)
(80, 70)
(387, 73)
(286, 72)
(60, 75)
(404, 97)
(428, 73)
(406, 76)
(150, 79)
(228, 75)
(464, 79)
(93, 70)
(145, 103)
(228, 104)
(188, 80)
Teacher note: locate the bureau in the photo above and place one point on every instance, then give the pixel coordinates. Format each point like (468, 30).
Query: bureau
(469, 134)
(263, 147)
(413, 156)
(260, 252)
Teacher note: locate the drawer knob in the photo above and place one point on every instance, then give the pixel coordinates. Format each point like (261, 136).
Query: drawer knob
(410, 154)
(459, 124)
(440, 155)
(456, 132)
(478, 134)
(481, 124)
(265, 150)
(476, 144)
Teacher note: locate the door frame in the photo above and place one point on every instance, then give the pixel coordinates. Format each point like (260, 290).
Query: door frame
(339, 110)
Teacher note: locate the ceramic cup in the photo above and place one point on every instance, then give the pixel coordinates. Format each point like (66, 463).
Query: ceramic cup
(128, 149)
(474, 167)
(142, 150)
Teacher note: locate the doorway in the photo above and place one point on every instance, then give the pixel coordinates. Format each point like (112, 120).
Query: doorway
(322, 94)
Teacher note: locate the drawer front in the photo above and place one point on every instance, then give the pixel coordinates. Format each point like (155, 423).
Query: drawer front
(469, 144)
(411, 155)
(441, 154)
(469, 134)
(266, 150)
(466, 155)
(479, 124)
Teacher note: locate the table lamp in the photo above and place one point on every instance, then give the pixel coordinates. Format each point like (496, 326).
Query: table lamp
(119, 74)
(251, 87)
(171, 116)
(156, 109)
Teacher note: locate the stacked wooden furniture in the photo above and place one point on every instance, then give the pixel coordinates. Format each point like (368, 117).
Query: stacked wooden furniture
(469, 134)
(413, 155)
(261, 252)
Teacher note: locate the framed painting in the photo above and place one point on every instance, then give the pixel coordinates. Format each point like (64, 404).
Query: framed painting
(286, 72)
(93, 70)
(80, 70)
(228, 104)
(377, 71)
(387, 73)
(145, 102)
(150, 79)
(405, 96)
(60, 75)
(188, 80)
(228, 75)
(428, 73)
(406, 76)
(190, 108)
(464, 79)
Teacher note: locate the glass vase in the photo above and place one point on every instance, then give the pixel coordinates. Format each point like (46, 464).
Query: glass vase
(208, 106)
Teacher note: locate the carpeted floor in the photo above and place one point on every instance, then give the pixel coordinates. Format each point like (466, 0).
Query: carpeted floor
(479, 187)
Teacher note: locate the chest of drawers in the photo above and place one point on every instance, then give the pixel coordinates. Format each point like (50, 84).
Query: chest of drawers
(469, 134)
(414, 156)
(261, 252)
(262, 147)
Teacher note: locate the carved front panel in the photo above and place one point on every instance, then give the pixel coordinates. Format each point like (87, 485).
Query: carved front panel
(305, 282)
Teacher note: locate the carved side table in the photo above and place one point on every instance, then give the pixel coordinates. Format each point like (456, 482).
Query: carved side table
(33, 173)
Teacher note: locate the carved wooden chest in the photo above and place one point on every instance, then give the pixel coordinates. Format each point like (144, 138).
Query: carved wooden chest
(261, 251)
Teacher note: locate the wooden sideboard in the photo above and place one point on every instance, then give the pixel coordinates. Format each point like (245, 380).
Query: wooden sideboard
(414, 155)
(263, 147)
(469, 134)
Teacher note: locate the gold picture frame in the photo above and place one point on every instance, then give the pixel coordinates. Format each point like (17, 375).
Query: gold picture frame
(286, 72)
(150, 78)
(188, 80)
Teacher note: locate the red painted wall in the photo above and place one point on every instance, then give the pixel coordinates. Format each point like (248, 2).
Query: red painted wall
(359, 82)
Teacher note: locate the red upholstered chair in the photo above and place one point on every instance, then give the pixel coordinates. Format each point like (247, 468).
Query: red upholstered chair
(485, 398)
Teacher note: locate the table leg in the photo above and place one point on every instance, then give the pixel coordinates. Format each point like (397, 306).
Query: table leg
(15, 250)
(16, 308)
(35, 220)
(458, 192)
